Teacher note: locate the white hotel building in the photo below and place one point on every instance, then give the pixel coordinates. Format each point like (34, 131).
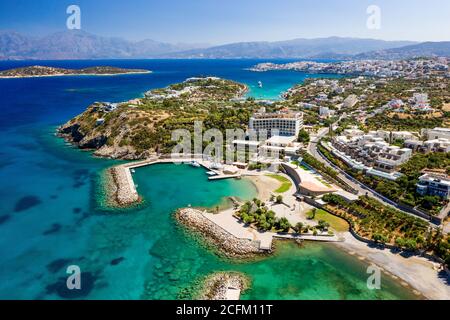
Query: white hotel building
(282, 130)
(285, 123)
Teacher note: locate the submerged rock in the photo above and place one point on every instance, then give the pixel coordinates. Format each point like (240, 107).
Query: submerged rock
(26, 203)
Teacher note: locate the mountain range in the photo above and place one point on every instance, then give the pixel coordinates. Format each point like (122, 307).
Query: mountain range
(77, 44)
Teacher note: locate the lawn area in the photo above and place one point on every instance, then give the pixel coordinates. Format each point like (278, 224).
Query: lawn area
(285, 183)
(336, 223)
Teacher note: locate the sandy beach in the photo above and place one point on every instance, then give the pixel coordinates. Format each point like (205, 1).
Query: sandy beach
(420, 273)
(264, 185)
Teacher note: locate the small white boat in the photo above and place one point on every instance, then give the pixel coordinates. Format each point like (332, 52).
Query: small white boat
(195, 164)
(133, 171)
(211, 173)
(260, 85)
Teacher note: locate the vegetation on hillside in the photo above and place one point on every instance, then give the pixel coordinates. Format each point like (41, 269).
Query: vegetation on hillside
(136, 129)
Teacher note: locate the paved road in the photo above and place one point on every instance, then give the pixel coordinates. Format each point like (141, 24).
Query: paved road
(361, 188)
(312, 149)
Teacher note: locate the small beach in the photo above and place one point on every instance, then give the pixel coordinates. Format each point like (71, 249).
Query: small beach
(420, 273)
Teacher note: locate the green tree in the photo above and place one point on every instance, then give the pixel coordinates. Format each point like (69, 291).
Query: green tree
(283, 224)
(298, 227)
(303, 136)
(279, 199)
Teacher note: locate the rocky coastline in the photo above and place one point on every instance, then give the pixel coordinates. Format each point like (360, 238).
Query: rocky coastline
(217, 286)
(228, 245)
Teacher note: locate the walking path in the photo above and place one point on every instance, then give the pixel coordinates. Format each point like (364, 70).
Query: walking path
(228, 222)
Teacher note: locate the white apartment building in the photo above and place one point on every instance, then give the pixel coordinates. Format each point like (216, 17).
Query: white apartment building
(353, 132)
(285, 123)
(436, 133)
(325, 112)
(350, 101)
(434, 145)
(420, 102)
(285, 144)
(386, 135)
(370, 153)
(434, 184)
(394, 135)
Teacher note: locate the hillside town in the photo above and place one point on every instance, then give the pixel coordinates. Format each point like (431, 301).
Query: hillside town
(409, 69)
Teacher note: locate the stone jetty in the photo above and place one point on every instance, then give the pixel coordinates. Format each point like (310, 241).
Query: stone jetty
(229, 244)
(125, 191)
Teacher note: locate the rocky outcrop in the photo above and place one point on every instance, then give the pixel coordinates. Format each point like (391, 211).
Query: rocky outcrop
(216, 235)
(219, 285)
(135, 129)
(106, 140)
(71, 132)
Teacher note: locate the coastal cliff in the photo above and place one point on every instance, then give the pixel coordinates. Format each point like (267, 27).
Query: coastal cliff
(138, 128)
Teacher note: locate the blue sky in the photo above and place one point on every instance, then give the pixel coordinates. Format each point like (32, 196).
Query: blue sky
(224, 21)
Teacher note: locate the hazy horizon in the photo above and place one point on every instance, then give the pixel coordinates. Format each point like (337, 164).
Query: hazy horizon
(211, 22)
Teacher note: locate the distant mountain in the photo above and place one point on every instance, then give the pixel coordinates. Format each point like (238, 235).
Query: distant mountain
(425, 49)
(77, 44)
(13, 45)
(333, 47)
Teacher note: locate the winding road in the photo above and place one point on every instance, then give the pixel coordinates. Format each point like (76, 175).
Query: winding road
(358, 186)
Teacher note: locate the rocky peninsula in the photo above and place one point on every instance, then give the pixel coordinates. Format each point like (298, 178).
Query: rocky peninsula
(44, 71)
(137, 128)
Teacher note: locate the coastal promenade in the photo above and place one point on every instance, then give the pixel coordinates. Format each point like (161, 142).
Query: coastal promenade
(229, 222)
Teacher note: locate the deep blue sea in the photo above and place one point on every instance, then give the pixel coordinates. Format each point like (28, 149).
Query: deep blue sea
(50, 216)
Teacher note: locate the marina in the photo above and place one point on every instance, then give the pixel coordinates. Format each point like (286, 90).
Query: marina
(127, 193)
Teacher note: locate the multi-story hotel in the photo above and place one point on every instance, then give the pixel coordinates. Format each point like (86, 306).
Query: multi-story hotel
(286, 123)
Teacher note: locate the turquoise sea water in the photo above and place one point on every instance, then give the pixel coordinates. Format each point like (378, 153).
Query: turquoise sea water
(50, 219)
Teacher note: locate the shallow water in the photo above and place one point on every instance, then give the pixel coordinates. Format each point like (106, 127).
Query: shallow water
(50, 217)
